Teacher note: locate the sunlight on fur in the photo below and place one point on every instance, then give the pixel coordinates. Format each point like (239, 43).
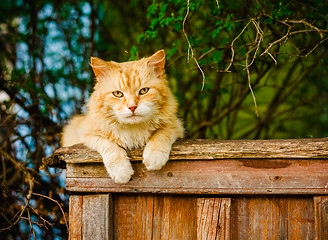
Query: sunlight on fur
(131, 107)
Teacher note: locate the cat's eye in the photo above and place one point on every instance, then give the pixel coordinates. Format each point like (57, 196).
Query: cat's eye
(118, 94)
(143, 91)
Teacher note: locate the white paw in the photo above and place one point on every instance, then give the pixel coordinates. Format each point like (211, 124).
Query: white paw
(154, 160)
(120, 172)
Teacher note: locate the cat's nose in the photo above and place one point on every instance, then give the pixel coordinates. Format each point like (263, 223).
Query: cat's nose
(132, 108)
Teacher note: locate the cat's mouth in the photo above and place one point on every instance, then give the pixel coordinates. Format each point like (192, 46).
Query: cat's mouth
(134, 117)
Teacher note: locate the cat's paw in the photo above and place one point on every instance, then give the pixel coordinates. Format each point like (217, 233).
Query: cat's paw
(154, 159)
(120, 172)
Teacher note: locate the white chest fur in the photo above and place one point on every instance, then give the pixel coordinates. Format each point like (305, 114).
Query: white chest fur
(133, 136)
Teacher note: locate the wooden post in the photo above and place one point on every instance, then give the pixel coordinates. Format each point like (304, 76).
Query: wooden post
(210, 189)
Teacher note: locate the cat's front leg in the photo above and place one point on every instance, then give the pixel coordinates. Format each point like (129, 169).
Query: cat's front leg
(115, 159)
(118, 166)
(158, 148)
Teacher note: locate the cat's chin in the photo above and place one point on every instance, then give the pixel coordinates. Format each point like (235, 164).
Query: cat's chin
(133, 119)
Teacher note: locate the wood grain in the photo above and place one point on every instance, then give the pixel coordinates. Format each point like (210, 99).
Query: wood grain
(75, 217)
(278, 190)
(198, 149)
(273, 218)
(97, 217)
(234, 176)
(213, 218)
(321, 217)
(154, 217)
(171, 217)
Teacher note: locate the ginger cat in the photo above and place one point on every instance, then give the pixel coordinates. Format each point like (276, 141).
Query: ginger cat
(131, 107)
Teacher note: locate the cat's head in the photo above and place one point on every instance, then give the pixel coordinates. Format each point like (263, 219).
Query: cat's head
(131, 92)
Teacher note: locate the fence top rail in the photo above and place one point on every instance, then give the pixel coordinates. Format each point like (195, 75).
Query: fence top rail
(207, 149)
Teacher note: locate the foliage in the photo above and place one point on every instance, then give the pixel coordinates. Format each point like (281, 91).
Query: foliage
(240, 69)
(267, 48)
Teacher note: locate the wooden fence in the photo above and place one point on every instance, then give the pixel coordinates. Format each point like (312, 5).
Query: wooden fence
(211, 189)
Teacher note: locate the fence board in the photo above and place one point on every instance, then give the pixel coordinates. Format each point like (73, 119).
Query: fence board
(213, 218)
(75, 217)
(195, 149)
(97, 217)
(321, 217)
(234, 176)
(154, 217)
(273, 218)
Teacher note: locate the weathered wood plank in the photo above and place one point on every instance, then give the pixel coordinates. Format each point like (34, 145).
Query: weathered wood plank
(133, 217)
(183, 218)
(232, 176)
(75, 217)
(273, 218)
(160, 219)
(213, 218)
(196, 149)
(154, 217)
(321, 217)
(97, 217)
(171, 217)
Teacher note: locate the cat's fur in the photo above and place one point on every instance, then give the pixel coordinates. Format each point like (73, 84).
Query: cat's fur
(114, 123)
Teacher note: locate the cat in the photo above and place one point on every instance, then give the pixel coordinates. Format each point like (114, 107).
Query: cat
(131, 106)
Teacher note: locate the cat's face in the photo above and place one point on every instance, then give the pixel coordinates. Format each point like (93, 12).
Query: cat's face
(132, 101)
(131, 92)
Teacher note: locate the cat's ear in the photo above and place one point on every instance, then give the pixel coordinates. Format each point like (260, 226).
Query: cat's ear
(157, 61)
(100, 67)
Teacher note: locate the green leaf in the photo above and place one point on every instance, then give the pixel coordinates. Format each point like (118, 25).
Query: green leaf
(166, 21)
(177, 26)
(141, 37)
(153, 23)
(171, 52)
(134, 53)
(162, 10)
(152, 9)
(216, 31)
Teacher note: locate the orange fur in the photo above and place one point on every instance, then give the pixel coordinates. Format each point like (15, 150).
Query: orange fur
(113, 123)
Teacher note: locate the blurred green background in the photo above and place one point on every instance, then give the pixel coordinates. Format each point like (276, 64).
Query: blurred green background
(239, 69)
